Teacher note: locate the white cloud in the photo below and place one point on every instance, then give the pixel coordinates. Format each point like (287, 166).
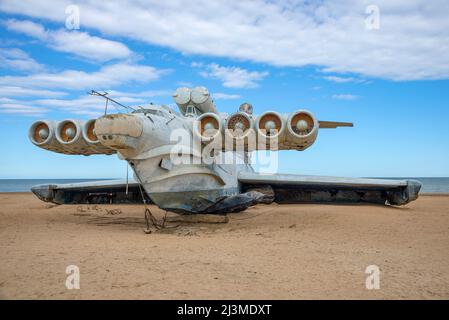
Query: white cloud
(184, 84)
(19, 109)
(12, 91)
(92, 103)
(108, 76)
(87, 46)
(225, 96)
(82, 103)
(141, 94)
(88, 113)
(338, 79)
(6, 100)
(16, 59)
(196, 64)
(411, 43)
(233, 77)
(27, 27)
(345, 96)
(38, 85)
(86, 105)
(78, 43)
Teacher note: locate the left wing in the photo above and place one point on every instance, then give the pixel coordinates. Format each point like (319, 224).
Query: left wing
(290, 188)
(92, 192)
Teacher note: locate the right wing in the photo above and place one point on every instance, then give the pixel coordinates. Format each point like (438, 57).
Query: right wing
(291, 188)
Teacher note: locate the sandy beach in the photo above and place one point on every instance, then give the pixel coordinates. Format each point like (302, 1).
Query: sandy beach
(267, 252)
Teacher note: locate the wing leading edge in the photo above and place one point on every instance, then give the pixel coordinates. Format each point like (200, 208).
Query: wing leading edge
(290, 188)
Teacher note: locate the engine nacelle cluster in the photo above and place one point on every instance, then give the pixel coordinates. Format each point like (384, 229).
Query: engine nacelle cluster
(68, 137)
(270, 130)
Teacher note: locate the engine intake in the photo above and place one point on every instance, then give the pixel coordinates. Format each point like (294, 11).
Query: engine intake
(270, 128)
(208, 127)
(239, 125)
(68, 132)
(42, 132)
(302, 129)
(89, 132)
(91, 138)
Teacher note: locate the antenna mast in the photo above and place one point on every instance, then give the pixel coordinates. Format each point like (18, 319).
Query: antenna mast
(104, 95)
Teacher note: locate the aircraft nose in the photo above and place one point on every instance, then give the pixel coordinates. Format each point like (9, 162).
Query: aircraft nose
(119, 131)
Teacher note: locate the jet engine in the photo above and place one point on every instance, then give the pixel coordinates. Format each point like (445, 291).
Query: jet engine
(202, 99)
(68, 137)
(302, 130)
(182, 98)
(270, 128)
(92, 140)
(69, 133)
(239, 130)
(208, 127)
(42, 134)
(198, 97)
(239, 125)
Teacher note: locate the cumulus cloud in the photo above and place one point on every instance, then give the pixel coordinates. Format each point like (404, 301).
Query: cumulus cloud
(20, 109)
(338, 79)
(86, 105)
(107, 76)
(141, 94)
(233, 77)
(410, 44)
(18, 60)
(225, 96)
(41, 99)
(38, 107)
(27, 27)
(78, 43)
(13, 91)
(345, 96)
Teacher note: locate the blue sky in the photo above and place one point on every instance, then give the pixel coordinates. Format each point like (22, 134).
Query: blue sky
(391, 81)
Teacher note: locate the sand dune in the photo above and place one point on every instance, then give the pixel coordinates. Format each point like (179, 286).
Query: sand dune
(269, 252)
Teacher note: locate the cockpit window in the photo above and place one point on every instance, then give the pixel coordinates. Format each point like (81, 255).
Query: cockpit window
(191, 111)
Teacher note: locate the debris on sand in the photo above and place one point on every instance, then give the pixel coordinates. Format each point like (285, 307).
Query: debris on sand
(199, 218)
(113, 211)
(88, 208)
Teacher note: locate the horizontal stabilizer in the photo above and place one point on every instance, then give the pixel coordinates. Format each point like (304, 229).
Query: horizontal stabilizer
(334, 124)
